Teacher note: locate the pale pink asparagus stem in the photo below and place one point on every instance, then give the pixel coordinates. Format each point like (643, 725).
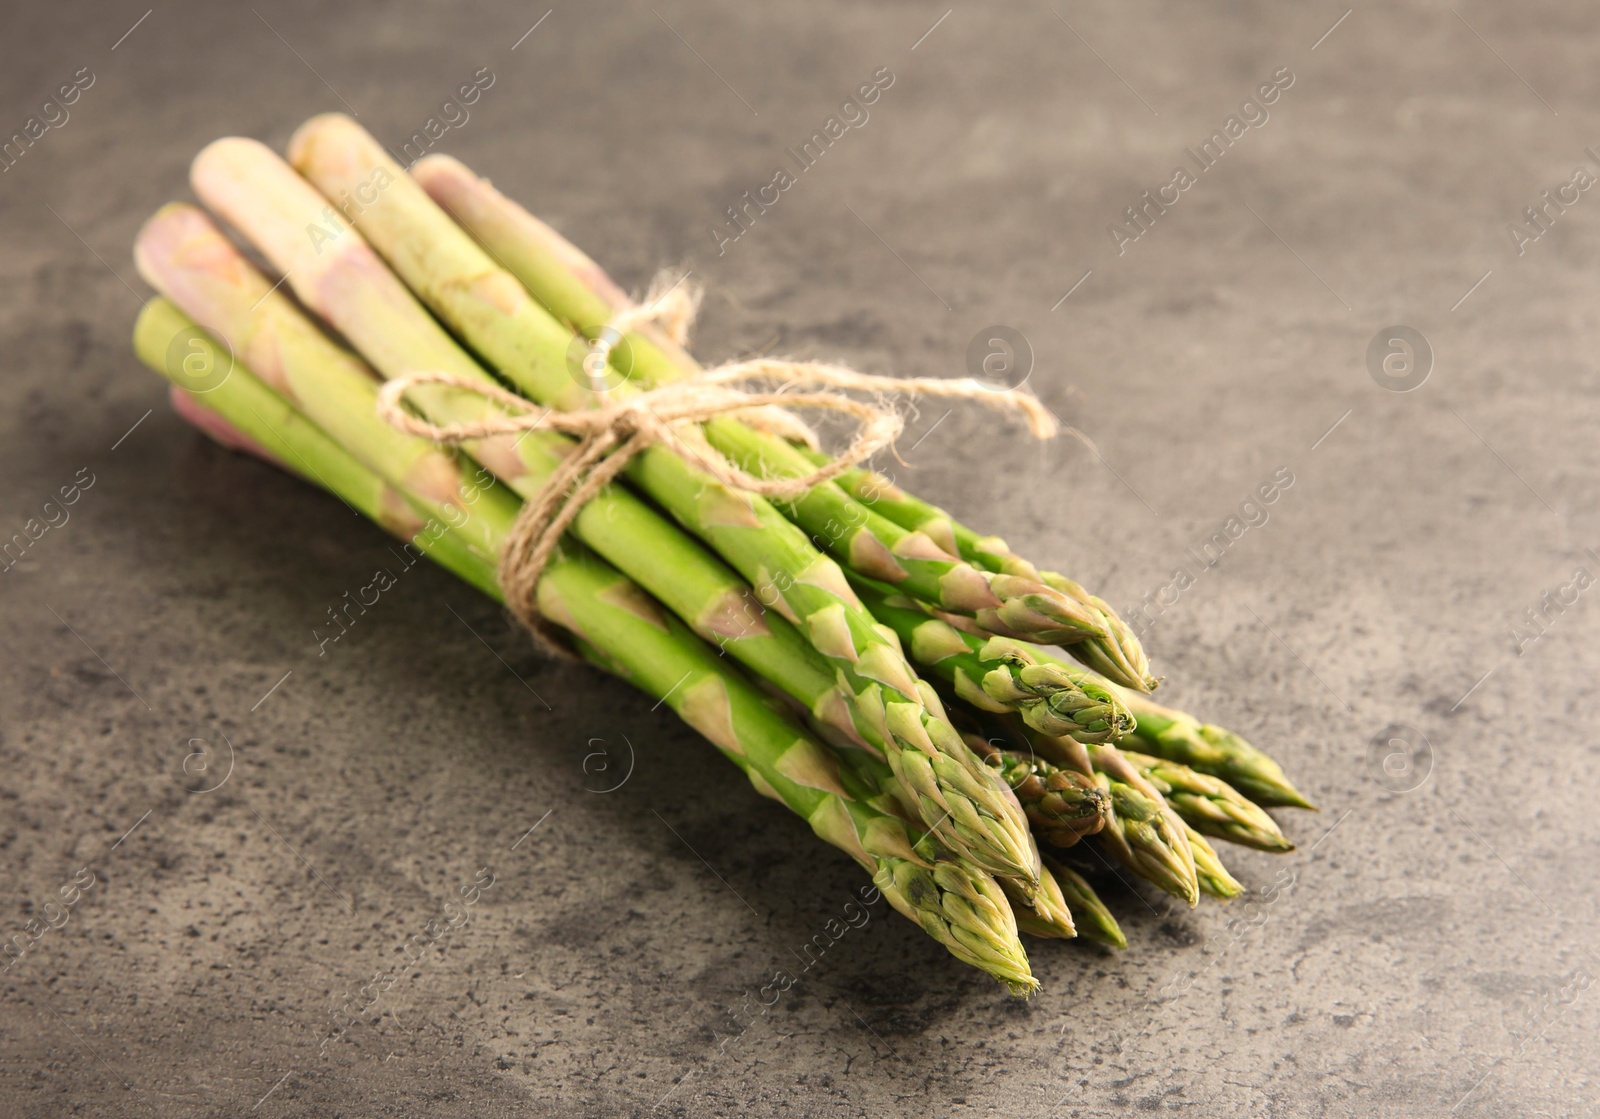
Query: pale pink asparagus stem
(335, 273)
(183, 254)
(492, 218)
(476, 204)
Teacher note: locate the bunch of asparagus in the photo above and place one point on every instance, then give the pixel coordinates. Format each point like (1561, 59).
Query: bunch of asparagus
(887, 675)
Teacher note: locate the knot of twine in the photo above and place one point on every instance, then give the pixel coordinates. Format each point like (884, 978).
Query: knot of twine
(622, 426)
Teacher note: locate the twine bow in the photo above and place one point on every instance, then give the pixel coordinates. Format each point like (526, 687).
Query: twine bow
(626, 423)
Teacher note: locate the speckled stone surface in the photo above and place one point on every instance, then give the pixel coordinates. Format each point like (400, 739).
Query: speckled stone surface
(1427, 951)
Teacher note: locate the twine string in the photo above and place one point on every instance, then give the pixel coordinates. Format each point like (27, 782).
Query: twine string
(624, 425)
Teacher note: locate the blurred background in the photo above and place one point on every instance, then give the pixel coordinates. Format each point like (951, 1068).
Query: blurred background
(1346, 251)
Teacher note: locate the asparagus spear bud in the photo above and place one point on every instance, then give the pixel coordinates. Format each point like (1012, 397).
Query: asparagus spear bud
(964, 911)
(873, 782)
(959, 906)
(963, 908)
(1119, 655)
(962, 801)
(1000, 674)
(1089, 914)
(1063, 805)
(574, 289)
(1142, 839)
(1116, 653)
(1209, 804)
(1007, 604)
(1213, 877)
(612, 618)
(1046, 913)
(1145, 834)
(954, 802)
(1180, 737)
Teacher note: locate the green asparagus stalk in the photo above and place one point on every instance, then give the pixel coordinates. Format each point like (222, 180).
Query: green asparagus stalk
(1144, 833)
(876, 547)
(495, 315)
(963, 909)
(1117, 655)
(574, 289)
(1001, 674)
(1180, 737)
(1089, 914)
(181, 251)
(1210, 805)
(369, 496)
(1213, 877)
(959, 906)
(183, 254)
(1177, 736)
(253, 412)
(1062, 805)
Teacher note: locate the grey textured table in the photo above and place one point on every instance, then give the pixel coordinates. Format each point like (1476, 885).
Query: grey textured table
(1427, 950)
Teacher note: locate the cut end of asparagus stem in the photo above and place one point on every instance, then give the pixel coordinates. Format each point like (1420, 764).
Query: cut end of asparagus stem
(326, 138)
(228, 174)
